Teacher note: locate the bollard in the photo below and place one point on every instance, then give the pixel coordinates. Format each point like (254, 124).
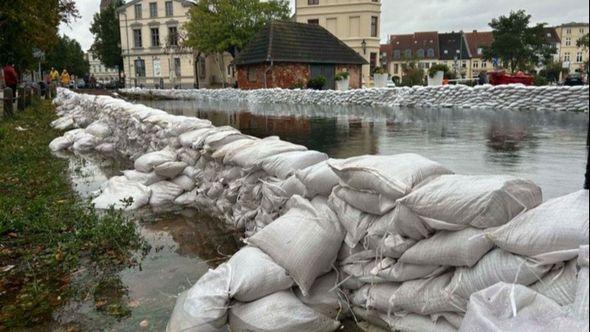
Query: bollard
(20, 98)
(28, 96)
(8, 102)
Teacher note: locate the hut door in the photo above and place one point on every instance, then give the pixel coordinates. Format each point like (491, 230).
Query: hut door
(328, 71)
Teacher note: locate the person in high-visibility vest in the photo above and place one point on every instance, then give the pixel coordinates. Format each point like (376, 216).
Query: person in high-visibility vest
(65, 78)
(54, 75)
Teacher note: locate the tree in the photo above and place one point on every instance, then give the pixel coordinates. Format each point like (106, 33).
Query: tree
(67, 54)
(518, 45)
(583, 44)
(552, 71)
(413, 75)
(26, 25)
(106, 31)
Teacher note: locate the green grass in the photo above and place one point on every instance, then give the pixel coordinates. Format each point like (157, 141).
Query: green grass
(46, 230)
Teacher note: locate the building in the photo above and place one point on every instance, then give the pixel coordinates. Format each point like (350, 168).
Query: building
(102, 74)
(572, 56)
(421, 47)
(477, 41)
(356, 22)
(154, 54)
(287, 54)
(454, 53)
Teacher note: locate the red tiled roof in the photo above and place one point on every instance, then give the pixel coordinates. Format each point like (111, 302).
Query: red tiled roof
(478, 39)
(415, 42)
(551, 35)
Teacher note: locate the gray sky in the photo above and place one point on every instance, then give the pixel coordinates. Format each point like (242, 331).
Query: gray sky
(406, 16)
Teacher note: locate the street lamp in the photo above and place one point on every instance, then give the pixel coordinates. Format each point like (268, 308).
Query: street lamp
(364, 46)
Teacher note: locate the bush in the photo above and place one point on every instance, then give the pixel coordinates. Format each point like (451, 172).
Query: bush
(317, 83)
(540, 80)
(297, 85)
(438, 67)
(379, 70)
(342, 76)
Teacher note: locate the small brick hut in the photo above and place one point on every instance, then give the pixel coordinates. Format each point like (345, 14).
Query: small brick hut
(287, 54)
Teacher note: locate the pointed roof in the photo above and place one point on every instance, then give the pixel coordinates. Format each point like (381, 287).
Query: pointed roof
(286, 41)
(449, 45)
(477, 40)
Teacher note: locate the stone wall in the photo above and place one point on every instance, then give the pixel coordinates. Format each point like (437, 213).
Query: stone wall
(280, 75)
(508, 97)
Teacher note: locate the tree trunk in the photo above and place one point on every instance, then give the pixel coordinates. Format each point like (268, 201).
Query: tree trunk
(221, 69)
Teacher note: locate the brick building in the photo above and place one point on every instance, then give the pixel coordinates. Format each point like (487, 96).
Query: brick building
(286, 54)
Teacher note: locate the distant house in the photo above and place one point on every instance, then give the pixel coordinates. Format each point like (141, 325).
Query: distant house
(454, 52)
(287, 54)
(478, 41)
(421, 47)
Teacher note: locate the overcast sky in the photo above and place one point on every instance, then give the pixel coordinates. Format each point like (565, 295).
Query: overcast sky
(406, 16)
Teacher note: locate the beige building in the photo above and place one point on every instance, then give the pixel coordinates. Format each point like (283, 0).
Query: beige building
(102, 73)
(572, 56)
(356, 22)
(152, 36)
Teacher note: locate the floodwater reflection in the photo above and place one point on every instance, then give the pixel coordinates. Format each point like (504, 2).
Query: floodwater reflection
(546, 147)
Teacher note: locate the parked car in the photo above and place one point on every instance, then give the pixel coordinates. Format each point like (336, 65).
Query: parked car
(573, 79)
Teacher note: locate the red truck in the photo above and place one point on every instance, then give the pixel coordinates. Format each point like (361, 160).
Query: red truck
(501, 77)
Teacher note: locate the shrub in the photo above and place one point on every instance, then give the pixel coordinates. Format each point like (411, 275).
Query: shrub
(298, 85)
(317, 83)
(540, 80)
(379, 70)
(342, 76)
(436, 68)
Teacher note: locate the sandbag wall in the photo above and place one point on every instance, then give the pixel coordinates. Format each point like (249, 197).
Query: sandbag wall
(508, 97)
(398, 241)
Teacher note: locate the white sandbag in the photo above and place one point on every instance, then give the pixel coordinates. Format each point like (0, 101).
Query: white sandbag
(285, 164)
(391, 176)
(369, 202)
(375, 296)
(497, 265)
(204, 306)
(275, 192)
(218, 140)
(148, 161)
(188, 198)
(63, 123)
(423, 296)
(512, 307)
(184, 182)
(193, 173)
(303, 241)
(105, 148)
(60, 143)
(122, 194)
(389, 244)
(164, 192)
(280, 312)
(170, 169)
(318, 179)
(418, 323)
(390, 270)
(580, 310)
(254, 275)
(144, 178)
(223, 131)
(453, 202)
(460, 248)
(189, 156)
(232, 147)
(85, 143)
(99, 129)
(362, 269)
(323, 296)
(400, 221)
(560, 283)
(251, 157)
(187, 138)
(186, 124)
(354, 220)
(552, 232)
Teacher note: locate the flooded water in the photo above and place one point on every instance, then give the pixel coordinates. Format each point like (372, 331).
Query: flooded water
(546, 147)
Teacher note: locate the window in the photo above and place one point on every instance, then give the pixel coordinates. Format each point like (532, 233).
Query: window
(313, 2)
(397, 54)
(479, 51)
(464, 64)
(137, 38)
(314, 21)
(430, 53)
(566, 56)
(446, 51)
(137, 11)
(155, 37)
(475, 64)
(579, 57)
(168, 7)
(153, 9)
(173, 36)
(484, 64)
(374, 26)
(177, 72)
(251, 74)
(568, 41)
(373, 60)
(427, 65)
(408, 53)
(139, 68)
(568, 31)
(581, 30)
(420, 53)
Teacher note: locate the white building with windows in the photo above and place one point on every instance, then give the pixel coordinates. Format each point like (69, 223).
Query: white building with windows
(152, 36)
(102, 73)
(572, 56)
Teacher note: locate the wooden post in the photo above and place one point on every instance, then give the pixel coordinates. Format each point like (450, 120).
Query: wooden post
(8, 95)
(20, 101)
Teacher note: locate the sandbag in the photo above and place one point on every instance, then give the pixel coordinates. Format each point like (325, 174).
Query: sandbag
(187, 138)
(251, 157)
(148, 161)
(254, 275)
(184, 182)
(324, 297)
(280, 312)
(60, 143)
(559, 284)
(580, 310)
(318, 179)
(164, 192)
(512, 307)
(122, 194)
(232, 147)
(454, 202)
(302, 241)
(285, 164)
(99, 129)
(460, 248)
(188, 198)
(418, 323)
(388, 245)
(353, 220)
(144, 178)
(186, 124)
(552, 232)
(391, 176)
(369, 202)
(400, 221)
(375, 296)
(496, 266)
(85, 143)
(423, 296)
(362, 269)
(105, 148)
(216, 141)
(204, 306)
(390, 270)
(170, 169)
